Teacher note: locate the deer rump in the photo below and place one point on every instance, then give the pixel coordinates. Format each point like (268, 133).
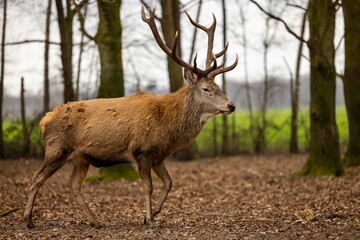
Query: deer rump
(110, 131)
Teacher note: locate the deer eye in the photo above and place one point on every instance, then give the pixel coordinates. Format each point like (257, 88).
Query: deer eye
(206, 90)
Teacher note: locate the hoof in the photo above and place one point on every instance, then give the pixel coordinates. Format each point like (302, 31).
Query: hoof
(96, 225)
(144, 221)
(30, 225)
(149, 223)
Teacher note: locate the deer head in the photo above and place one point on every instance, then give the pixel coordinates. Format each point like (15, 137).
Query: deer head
(201, 82)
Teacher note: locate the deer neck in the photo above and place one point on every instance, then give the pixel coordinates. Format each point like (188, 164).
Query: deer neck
(186, 114)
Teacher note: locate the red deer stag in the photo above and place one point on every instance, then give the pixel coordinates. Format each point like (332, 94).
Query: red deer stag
(142, 129)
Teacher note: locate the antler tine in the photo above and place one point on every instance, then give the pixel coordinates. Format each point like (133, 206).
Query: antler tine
(223, 63)
(219, 54)
(210, 31)
(213, 67)
(176, 39)
(170, 52)
(198, 25)
(195, 64)
(224, 70)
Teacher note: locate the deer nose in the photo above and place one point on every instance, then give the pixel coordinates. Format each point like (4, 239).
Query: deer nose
(231, 107)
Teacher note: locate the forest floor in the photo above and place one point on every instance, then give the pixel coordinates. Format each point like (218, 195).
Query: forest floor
(244, 197)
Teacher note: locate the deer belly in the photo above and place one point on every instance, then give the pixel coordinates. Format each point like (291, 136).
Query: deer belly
(106, 162)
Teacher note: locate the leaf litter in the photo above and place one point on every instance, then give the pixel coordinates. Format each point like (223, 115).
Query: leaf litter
(243, 197)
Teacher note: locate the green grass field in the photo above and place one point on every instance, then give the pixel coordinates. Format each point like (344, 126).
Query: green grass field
(277, 134)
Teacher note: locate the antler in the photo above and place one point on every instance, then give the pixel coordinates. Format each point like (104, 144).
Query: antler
(211, 70)
(210, 31)
(172, 52)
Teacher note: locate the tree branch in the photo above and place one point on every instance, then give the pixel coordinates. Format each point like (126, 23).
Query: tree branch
(280, 20)
(37, 41)
(296, 6)
(81, 19)
(31, 41)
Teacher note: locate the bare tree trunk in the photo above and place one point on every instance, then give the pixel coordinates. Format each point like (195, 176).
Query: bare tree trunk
(81, 48)
(225, 138)
(26, 140)
(246, 73)
(46, 59)
(294, 148)
(262, 127)
(170, 23)
(324, 155)
(215, 144)
(65, 27)
(193, 42)
(351, 79)
(2, 78)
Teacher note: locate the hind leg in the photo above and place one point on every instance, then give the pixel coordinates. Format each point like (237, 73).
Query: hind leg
(52, 163)
(80, 170)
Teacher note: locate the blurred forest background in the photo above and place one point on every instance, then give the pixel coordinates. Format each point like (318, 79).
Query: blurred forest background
(296, 85)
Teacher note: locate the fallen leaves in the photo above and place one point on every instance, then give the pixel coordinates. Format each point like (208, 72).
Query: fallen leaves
(246, 197)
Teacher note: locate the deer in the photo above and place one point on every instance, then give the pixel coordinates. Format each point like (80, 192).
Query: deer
(142, 129)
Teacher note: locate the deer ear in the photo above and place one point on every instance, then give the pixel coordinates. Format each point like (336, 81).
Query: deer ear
(190, 77)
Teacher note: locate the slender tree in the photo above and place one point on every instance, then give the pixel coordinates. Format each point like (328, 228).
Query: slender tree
(46, 59)
(65, 23)
(225, 148)
(2, 77)
(296, 93)
(81, 49)
(193, 42)
(351, 79)
(324, 156)
(25, 132)
(246, 70)
(261, 123)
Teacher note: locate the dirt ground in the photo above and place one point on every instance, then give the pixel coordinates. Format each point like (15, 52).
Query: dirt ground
(245, 197)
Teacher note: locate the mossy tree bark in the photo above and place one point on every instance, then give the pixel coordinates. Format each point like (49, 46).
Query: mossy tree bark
(108, 40)
(351, 79)
(324, 156)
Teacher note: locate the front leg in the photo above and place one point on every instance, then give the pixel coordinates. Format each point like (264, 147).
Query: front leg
(144, 168)
(161, 171)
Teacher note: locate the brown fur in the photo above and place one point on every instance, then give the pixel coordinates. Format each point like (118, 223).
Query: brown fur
(111, 129)
(142, 129)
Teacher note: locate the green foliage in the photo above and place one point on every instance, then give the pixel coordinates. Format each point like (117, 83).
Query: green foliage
(13, 139)
(121, 171)
(277, 134)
